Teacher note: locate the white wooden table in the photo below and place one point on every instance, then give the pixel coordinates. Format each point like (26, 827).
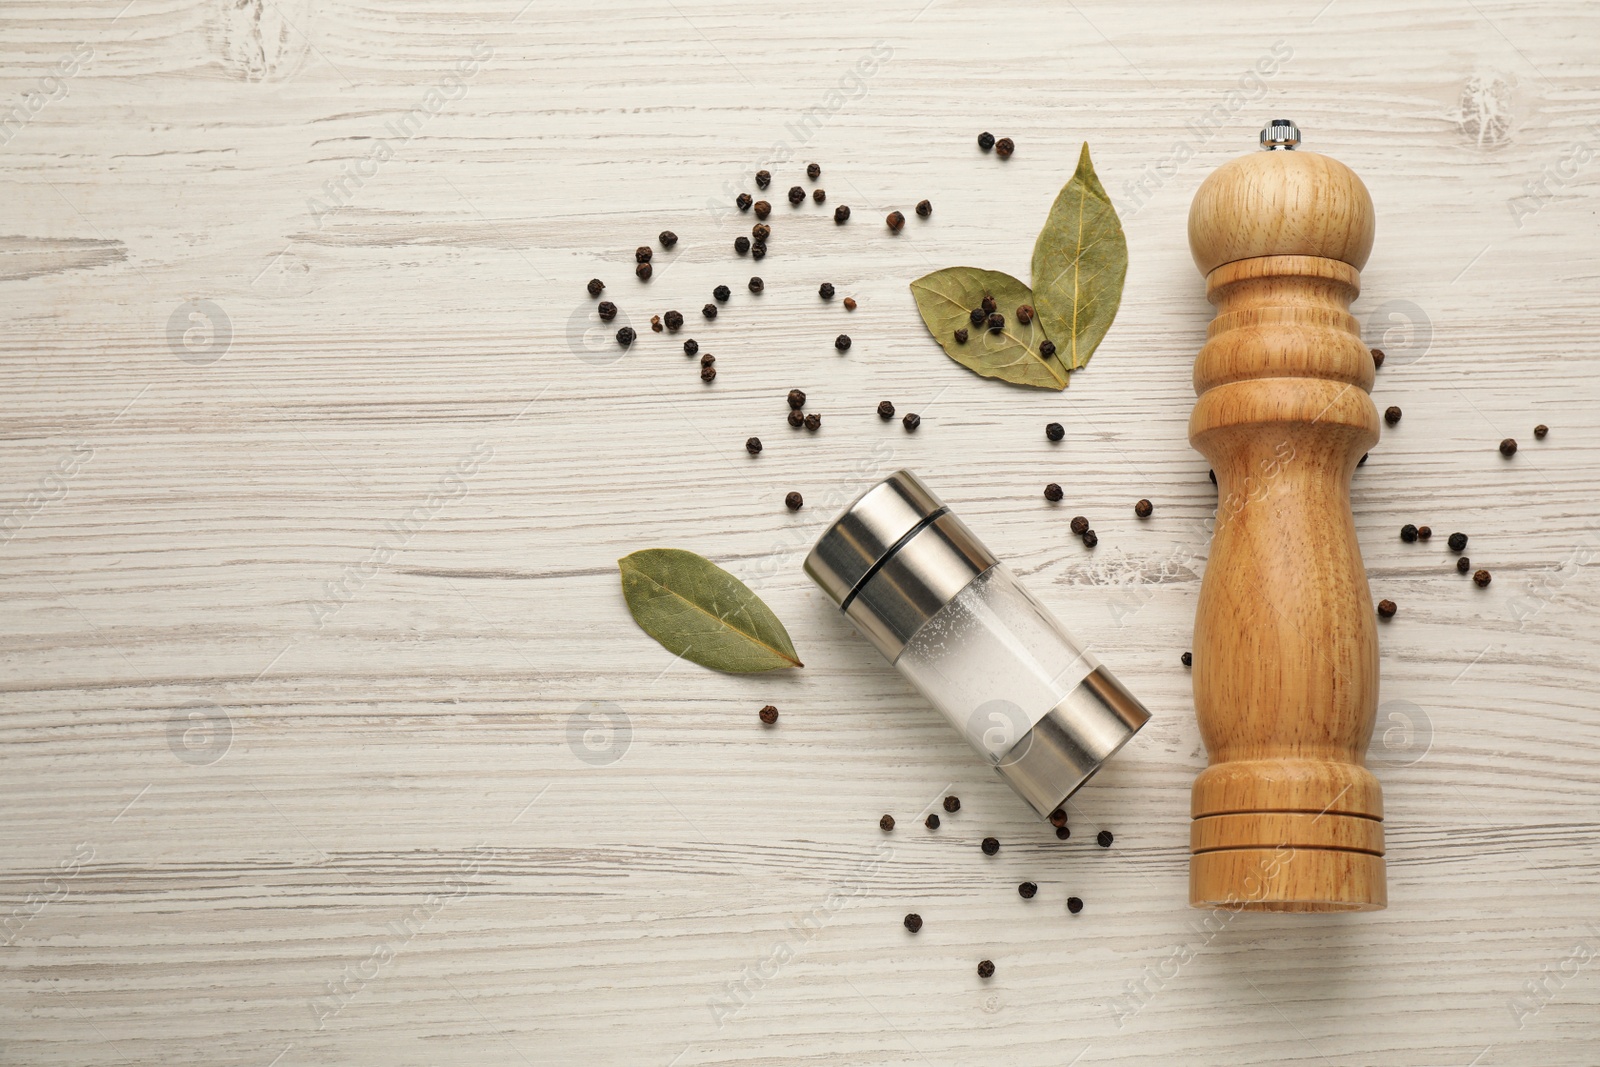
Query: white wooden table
(327, 738)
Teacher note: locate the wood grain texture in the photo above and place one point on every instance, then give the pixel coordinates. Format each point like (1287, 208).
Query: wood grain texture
(317, 750)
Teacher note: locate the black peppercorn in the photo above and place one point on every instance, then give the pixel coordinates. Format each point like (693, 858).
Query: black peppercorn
(1074, 905)
(1391, 414)
(796, 419)
(952, 804)
(931, 822)
(797, 399)
(985, 968)
(849, 303)
(758, 250)
(913, 922)
(756, 285)
(707, 360)
(1047, 348)
(1187, 659)
(763, 209)
(1052, 492)
(744, 201)
(977, 316)
(709, 311)
(1026, 890)
(596, 286)
(708, 373)
(794, 501)
(763, 178)
(607, 310)
(813, 421)
(961, 336)
(667, 238)
(997, 322)
(924, 208)
(690, 347)
(655, 323)
(1058, 817)
(886, 823)
(1481, 577)
(911, 421)
(1386, 609)
(1362, 462)
(813, 171)
(1463, 564)
(1103, 839)
(1090, 539)
(1424, 533)
(988, 304)
(895, 221)
(841, 214)
(1080, 525)
(760, 231)
(1408, 533)
(825, 290)
(1508, 447)
(643, 271)
(674, 320)
(1457, 542)
(842, 342)
(1063, 832)
(1377, 358)
(722, 292)
(769, 714)
(1004, 147)
(1143, 509)
(1054, 431)
(885, 410)
(753, 446)
(797, 195)
(1540, 430)
(1024, 313)
(990, 846)
(986, 140)
(818, 196)
(625, 336)
(1213, 475)
(741, 244)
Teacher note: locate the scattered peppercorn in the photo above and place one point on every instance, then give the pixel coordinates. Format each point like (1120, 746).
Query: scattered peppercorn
(655, 323)
(849, 303)
(952, 804)
(753, 446)
(763, 178)
(911, 421)
(1074, 905)
(1026, 890)
(1508, 447)
(1386, 609)
(596, 285)
(1362, 462)
(1187, 659)
(708, 373)
(1143, 509)
(760, 231)
(707, 360)
(756, 285)
(841, 214)
(1054, 431)
(961, 336)
(763, 209)
(885, 410)
(913, 922)
(1424, 533)
(1024, 313)
(1457, 542)
(818, 196)
(895, 221)
(797, 399)
(990, 846)
(1052, 492)
(813, 171)
(797, 195)
(1213, 475)
(1058, 817)
(644, 270)
(690, 347)
(741, 244)
(886, 823)
(813, 421)
(608, 310)
(977, 316)
(796, 419)
(1540, 430)
(985, 968)
(769, 714)
(1063, 832)
(722, 292)
(674, 320)
(988, 304)
(1090, 539)
(825, 290)
(1481, 577)
(1004, 147)
(1103, 839)
(1047, 348)
(842, 342)
(758, 250)
(1377, 358)
(1080, 525)
(744, 200)
(625, 336)
(667, 238)
(1391, 414)
(924, 208)
(1463, 564)
(1408, 533)
(709, 311)
(997, 322)
(931, 822)
(986, 140)
(794, 501)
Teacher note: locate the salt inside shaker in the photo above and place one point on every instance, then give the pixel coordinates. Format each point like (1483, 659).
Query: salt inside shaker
(954, 620)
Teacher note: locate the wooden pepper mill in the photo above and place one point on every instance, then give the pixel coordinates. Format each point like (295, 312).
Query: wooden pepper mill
(1286, 817)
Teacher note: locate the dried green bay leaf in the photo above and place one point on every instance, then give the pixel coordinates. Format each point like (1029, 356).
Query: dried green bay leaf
(946, 299)
(1079, 262)
(699, 611)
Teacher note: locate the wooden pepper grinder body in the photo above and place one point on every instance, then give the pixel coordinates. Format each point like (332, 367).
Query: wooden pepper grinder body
(1286, 817)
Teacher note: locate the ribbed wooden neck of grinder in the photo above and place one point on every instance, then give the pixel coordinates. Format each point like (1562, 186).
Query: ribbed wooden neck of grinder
(1286, 817)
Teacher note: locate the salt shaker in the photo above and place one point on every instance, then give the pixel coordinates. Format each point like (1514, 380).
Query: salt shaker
(954, 620)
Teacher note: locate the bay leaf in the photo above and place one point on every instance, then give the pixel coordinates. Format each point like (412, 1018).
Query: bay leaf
(699, 611)
(1079, 262)
(946, 299)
